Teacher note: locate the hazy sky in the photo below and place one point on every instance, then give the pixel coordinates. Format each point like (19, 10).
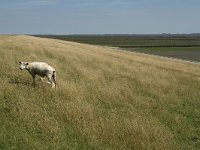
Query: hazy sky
(99, 16)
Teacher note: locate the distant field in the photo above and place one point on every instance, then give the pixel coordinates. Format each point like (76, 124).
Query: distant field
(132, 41)
(106, 99)
(177, 46)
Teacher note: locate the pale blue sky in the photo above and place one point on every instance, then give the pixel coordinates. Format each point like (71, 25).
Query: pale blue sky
(99, 16)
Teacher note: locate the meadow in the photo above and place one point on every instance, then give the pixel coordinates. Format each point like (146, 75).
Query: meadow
(182, 46)
(106, 98)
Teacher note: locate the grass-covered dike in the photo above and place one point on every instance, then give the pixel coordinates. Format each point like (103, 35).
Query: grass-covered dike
(106, 98)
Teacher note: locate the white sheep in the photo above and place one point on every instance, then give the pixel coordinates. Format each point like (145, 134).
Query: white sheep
(42, 69)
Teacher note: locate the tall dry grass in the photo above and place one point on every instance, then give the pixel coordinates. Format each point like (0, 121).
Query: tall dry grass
(106, 99)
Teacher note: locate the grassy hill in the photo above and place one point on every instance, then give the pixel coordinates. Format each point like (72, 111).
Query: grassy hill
(106, 99)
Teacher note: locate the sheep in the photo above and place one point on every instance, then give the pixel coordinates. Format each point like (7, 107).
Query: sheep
(42, 69)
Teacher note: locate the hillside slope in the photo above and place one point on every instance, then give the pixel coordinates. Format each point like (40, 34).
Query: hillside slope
(106, 99)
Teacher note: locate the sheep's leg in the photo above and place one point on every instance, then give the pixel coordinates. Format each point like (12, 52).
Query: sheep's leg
(54, 78)
(51, 82)
(42, 79)
(33, 76)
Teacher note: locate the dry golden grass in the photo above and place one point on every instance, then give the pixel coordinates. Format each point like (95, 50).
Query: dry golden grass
(106, 99)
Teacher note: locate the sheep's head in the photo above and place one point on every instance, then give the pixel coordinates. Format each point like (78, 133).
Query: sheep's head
(23, 65)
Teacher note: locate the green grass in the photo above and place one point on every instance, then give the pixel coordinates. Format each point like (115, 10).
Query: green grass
(106, 99)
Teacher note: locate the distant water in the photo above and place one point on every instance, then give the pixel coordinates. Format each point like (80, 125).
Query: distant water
(186, 55)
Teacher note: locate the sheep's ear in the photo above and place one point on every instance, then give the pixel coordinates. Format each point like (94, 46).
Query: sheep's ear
(20, 62)
(27, 63)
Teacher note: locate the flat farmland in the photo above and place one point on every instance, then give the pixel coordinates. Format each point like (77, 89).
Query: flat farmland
(185, 47)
